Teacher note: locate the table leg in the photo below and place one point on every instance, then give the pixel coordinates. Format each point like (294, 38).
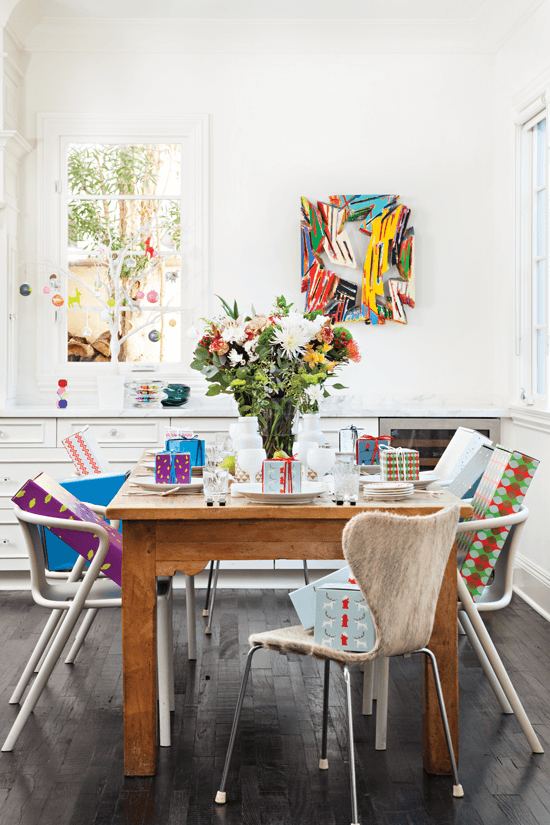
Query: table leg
(444, 644)
(139, 666)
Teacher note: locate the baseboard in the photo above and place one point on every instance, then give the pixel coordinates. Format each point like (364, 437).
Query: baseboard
(532, 583)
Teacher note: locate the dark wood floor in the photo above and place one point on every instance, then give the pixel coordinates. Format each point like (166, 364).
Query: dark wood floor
(67, 766)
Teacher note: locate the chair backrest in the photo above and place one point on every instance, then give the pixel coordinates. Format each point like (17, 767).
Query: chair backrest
(398, 562)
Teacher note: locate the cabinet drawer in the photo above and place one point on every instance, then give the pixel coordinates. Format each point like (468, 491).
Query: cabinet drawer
(12, 543)
(14, 475)
(27, 432)
(116, 432)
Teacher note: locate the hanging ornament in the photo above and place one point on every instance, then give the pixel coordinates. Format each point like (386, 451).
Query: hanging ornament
(172, 322)
(86, 331)
(193, 334)
(154, 336)
(105, 316)
(148, 248)
(46, 290)
(54, 282)
(25, 290)
(172, 276)
(140, 295)
(58, 300)
(111, 302)
(152, 296)
(130, 261)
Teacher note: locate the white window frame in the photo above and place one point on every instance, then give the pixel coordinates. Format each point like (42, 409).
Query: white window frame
(55, 132)
(525, 263)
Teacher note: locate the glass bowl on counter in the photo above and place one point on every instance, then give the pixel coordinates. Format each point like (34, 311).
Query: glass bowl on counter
(176, 395)
(145, 393)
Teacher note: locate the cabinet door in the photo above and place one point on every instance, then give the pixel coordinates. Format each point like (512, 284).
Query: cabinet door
(13, 552)
(117, 432)
(27, 432)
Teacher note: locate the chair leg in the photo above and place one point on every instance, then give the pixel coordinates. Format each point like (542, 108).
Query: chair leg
(353, 787)
(207, 599)
(485, 663)
(163, 669)
(382, 678)
(323, 761)
(170, 630)
(60, 616)
(306, 572)
(457, 787)
(221, 794)
(36, 656)
(461, 631)
(91, 613)
(190, 608)
(492, 654)
(368, 686)
(208, 630)
(375, 665)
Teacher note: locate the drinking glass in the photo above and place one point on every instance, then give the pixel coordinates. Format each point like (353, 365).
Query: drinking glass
(216, 484)
(346, 483)
(321, 459)
(301, 449)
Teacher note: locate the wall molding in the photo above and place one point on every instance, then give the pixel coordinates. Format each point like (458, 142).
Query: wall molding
(532, 583)
(530, 419)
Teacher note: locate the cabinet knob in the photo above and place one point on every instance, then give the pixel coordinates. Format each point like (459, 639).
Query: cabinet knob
(5, 478)
(1, 434)
(113, 432)
(4, 541)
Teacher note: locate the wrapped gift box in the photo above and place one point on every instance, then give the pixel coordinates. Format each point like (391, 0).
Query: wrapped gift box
(193, 446)
(399, 464)
(172, 468)
(303, 599)
(367, 448)
(281, 475)
(45, 497)
(462, 447)
(86, 454)
(347, 438)
(342, 618)
(464, 485)
(500, 492)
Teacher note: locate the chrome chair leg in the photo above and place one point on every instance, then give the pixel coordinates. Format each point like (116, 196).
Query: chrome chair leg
(306, 572)
(353, 786)
(457, 787)
(208, 586)
(221, 794)
(323, 761)
(208, 630)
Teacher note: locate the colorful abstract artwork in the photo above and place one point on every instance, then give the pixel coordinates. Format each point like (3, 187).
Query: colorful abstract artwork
(382, 244)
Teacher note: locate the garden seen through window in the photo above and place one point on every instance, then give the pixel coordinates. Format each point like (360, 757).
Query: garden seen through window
(124, 252)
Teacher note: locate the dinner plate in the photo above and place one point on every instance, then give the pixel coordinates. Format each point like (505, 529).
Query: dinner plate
(147, 484)
(150, 465)
(310, 490)
(426, 477)
(387, 496)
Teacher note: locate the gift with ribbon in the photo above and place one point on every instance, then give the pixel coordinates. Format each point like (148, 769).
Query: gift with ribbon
(172, 467)
(367, 448)
(194, 446)
(399, 464)
(282, 475)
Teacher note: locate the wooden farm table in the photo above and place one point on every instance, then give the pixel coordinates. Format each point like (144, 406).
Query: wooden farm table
(163, 535)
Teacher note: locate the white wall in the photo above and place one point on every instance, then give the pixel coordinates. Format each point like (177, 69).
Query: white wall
(285, 125)
(522, 70)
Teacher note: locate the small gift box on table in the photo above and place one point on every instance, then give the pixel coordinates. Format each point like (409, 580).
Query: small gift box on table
(282, 475)
(44, 496)
(342, 618)
(347, 438)
(399, 464)
(367, 448)
(173, 468)
(193, 445)
(303, 599)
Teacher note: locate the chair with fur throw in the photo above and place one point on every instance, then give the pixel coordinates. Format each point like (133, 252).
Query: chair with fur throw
(398, 562)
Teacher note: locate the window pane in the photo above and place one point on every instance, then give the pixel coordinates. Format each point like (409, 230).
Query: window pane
(124, 169)
(540, 223)
(540, 152)
(540, 372)
(124, 256)
(540, 294)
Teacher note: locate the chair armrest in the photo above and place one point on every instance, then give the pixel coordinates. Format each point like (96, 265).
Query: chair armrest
(493, 523)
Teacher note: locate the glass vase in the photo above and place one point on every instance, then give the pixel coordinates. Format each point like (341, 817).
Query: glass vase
(276, 426)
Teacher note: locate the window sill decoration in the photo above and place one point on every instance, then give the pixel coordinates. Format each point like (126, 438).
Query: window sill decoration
(390, 243)
(274, 365)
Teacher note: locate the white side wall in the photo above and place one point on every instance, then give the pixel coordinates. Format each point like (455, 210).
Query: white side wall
(285, 125)
(522, 70)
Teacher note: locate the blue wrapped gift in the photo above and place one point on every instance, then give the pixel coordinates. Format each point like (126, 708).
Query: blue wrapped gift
(281, 475)
(193, 446)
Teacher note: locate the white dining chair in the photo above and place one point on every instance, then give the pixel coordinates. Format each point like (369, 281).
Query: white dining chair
(81, 590)
(398, 562)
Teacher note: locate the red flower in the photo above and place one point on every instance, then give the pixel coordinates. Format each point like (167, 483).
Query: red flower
(352, 351)
(219, 345)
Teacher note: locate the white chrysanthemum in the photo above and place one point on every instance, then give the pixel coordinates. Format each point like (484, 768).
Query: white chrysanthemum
(234, 334)
(315, 393)
(234, 356)
(250, 346)
(292, 336)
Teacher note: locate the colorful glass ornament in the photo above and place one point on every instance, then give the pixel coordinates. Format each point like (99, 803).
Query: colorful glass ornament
(172, 322)
(130, 261)
(152, 296)
(58, 300)
(140, 295)
(111, 302)
(86, 331)
(154, 336)
(46, 290)
(25, 290)
(171, 276)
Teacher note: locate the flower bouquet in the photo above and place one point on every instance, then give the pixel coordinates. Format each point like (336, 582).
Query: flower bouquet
(273, 365)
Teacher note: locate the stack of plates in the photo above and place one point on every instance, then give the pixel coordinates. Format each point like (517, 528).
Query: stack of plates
(388, 490)
(426, 477)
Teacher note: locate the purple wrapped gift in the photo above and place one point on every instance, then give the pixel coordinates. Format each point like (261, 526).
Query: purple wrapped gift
(45, 497)
(173, 468)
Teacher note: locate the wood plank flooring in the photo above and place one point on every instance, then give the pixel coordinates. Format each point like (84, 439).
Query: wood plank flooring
(67, 766)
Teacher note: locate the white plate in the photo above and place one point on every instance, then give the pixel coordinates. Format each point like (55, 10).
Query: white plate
(388, 496)
(150, 465)
(310, 491)
(426, 477)
(193, 487)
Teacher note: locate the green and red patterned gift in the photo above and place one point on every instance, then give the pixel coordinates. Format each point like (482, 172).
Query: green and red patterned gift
(500, 492)
(399, 464)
